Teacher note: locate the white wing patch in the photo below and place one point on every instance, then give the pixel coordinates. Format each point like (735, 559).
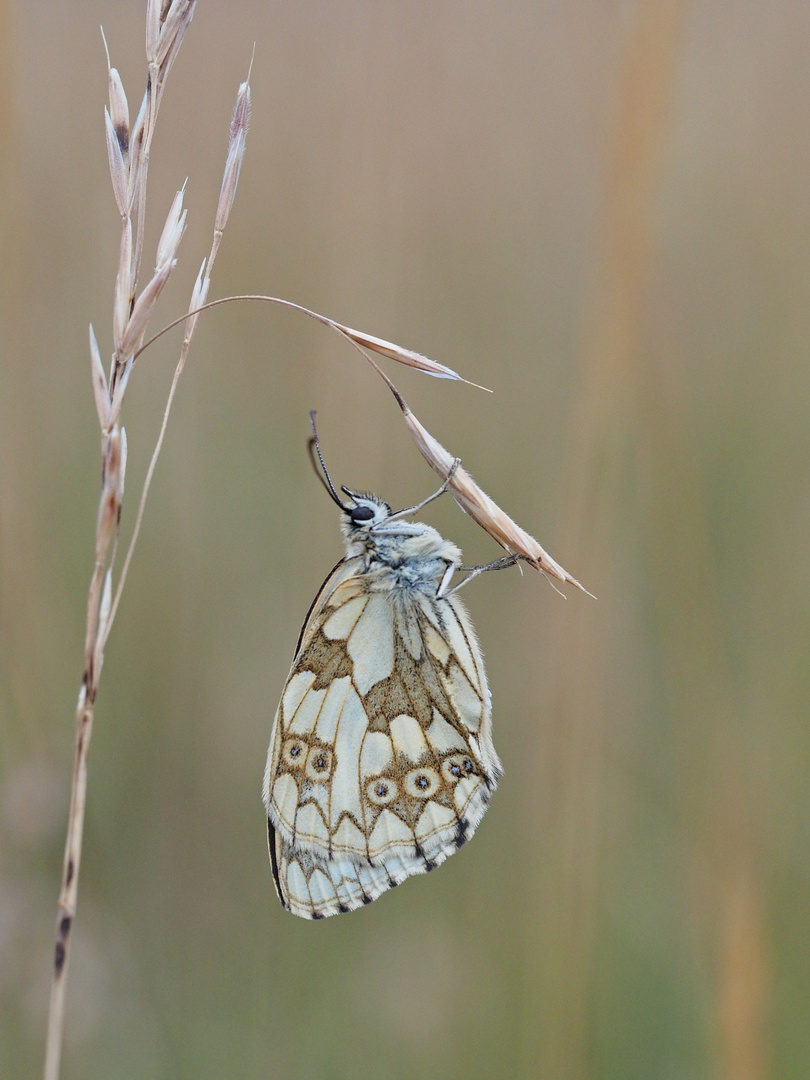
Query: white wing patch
(381, 762)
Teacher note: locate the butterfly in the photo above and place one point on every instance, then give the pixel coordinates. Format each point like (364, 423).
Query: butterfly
(381, 761)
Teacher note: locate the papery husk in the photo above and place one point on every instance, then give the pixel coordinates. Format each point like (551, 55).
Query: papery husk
(481, 508)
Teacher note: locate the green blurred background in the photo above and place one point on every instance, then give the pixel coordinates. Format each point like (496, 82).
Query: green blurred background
(600, 211)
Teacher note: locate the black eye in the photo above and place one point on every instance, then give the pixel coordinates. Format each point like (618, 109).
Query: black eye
(361, 513)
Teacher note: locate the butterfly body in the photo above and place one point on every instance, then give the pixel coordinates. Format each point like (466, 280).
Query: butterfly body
(381, 761)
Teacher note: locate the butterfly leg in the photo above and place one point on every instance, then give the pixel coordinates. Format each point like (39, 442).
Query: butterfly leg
(474, 571)
(430, 498)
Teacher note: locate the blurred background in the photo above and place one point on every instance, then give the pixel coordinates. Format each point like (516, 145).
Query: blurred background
(598, 210)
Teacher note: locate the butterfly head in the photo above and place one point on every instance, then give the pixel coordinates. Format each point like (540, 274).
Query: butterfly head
(365, 510)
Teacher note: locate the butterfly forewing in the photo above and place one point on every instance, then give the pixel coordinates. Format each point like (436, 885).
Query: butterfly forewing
(381, 761)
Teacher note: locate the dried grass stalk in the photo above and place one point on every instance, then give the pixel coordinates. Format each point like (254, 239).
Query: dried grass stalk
(469, 496)
(128, 153)
(403, 356)
(481, 508)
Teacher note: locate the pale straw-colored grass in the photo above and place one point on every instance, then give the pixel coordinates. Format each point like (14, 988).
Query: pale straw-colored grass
(128, 148)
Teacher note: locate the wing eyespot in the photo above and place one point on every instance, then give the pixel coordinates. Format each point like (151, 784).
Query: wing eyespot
(320, 763)
(381, 791)
(294, 753)
(422, 783)
(457, 766)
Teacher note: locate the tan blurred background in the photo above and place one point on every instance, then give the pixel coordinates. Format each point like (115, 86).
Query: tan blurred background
(600, 211)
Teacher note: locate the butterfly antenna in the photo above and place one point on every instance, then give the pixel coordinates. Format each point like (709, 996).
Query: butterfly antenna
(313, 443)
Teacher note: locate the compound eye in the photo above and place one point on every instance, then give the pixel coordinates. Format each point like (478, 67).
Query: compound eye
(361, 513)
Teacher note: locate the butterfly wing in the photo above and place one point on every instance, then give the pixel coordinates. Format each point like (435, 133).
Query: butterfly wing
(381, 762)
